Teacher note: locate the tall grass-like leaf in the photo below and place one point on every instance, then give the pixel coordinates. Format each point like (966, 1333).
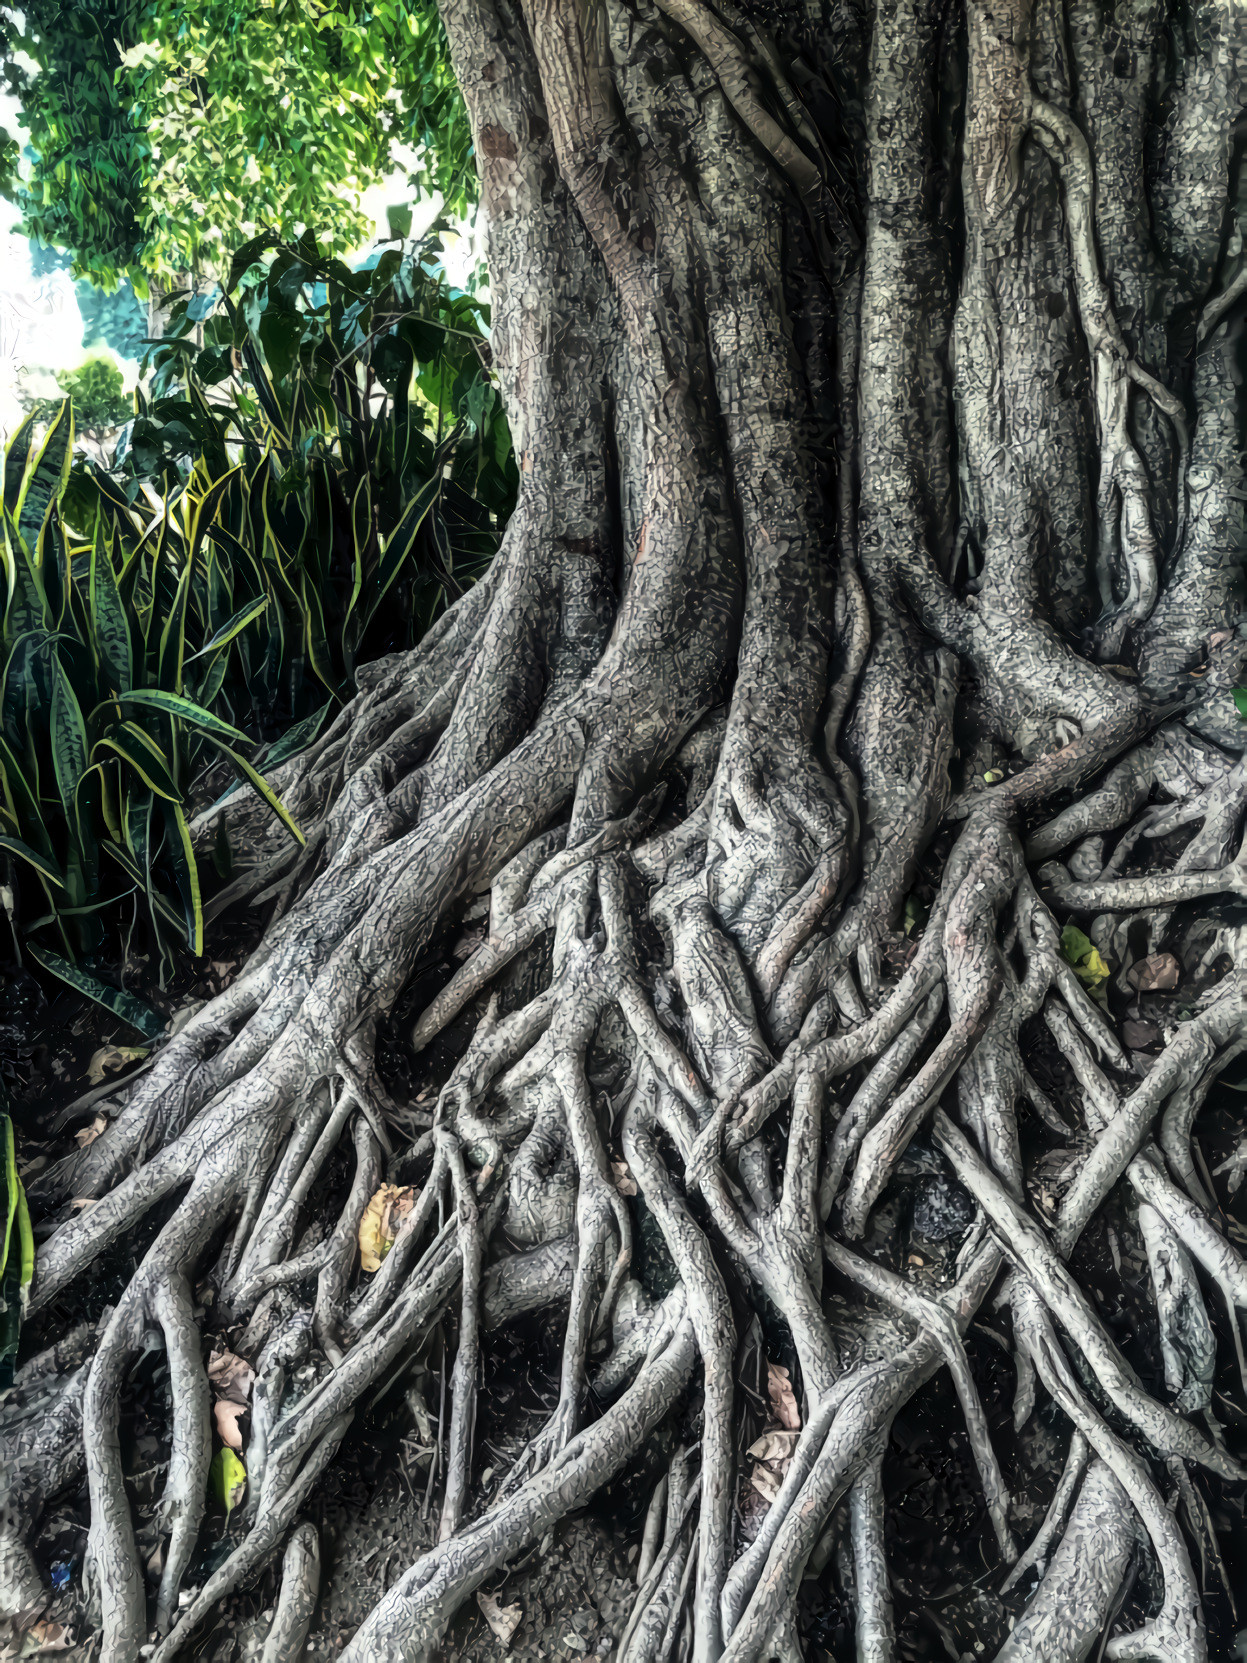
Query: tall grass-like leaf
(42, 864)
(205, 510)
(314, 635)
(108, 617)
(401, 541)
(125, 1005)
(262, 788)
(16, 458)
(232, 627)
(173, 635)
(186, 710)
(46, 476)
(69, 742)
(187, 875)
(24, 803)
(26, 606)
(137, 748)
(297, 738)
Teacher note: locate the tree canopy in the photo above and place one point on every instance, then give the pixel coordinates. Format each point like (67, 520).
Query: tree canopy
(163, 134)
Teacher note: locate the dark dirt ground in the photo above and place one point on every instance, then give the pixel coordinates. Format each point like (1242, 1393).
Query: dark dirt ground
(574, 1589)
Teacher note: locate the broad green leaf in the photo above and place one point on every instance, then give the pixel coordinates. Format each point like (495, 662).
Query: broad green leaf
(232, 627)
(1240, 701)
(261, 787)
(45, 480)
(108, 617)
(1078, 950)
(186, 710)
(125, 1005)
(1074, 944)
(400, 221)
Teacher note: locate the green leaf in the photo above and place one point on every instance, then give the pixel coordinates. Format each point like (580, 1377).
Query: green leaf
(232, 627)
(43, 864)
(297, 738)
(69, 741)
(12, 1189)
(206, 509)
(186, 710)
(124, 1005)
(16, 457)
(128, 741)
(400, 222)
(108, 616)
(187, 875)
(261, 787)
(1240, 701)
(228, 1478)
(1074, 944)
(45, 481)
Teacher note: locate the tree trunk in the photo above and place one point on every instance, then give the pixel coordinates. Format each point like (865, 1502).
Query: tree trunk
(869, 615)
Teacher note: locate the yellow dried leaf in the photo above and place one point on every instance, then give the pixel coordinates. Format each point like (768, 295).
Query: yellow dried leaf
(383, 1217)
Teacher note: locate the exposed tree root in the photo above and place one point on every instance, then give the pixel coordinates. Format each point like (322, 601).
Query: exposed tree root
(694, 767)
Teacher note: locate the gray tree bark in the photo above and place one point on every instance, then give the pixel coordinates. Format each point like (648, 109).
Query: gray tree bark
(873, 377)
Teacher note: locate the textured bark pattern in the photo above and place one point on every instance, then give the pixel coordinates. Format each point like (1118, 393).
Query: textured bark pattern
(871, 611)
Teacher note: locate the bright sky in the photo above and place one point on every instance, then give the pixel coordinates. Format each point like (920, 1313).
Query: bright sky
(41, 326)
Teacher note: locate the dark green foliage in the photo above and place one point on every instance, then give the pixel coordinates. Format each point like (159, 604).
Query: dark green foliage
(97, 390)
(333, 444)
(86, 192)
(163, 132)
(361, 407)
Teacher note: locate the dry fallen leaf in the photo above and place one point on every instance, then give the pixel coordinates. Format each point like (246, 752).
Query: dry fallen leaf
(380, 1224)
(774, 1445)
(1160, 973)
(82, 1201)
(783, 1398)
(765, 1482)
(88, 1134)
(625, 1183)
(109, 1058)
(47, 1636)
(503, 1619)
(229, 1376)
(226, 1414)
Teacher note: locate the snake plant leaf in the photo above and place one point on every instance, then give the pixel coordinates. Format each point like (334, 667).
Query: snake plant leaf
(137, 748)
(46, 476)
(186, 874)
(186, 710)
(261, 787)
(125, 1005)
(108, 617)
(16, 459)
(232, 627)
(69, 741)
(43, 864)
